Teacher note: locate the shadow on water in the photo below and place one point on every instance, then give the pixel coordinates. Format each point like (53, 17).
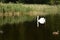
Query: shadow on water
(28, 30)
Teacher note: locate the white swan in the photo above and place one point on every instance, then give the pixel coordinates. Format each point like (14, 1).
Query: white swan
(42, 20)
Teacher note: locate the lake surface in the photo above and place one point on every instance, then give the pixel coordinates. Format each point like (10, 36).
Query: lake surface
(28, 30)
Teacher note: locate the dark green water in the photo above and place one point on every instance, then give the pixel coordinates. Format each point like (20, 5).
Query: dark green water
(28, 30)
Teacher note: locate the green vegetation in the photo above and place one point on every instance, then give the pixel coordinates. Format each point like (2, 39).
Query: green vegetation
(15, 13)
(13, 8)
(52, 2)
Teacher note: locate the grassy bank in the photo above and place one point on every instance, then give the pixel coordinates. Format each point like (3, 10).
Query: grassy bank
(28, 9)
(14, 13)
